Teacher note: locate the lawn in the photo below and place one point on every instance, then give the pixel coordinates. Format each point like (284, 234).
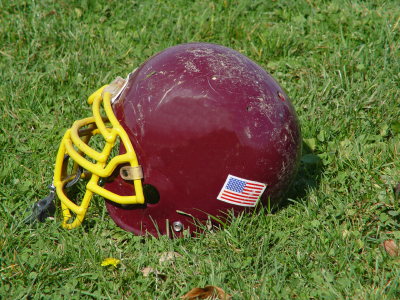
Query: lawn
(339, 61)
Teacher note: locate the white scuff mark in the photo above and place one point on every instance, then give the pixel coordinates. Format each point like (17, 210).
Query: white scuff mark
(140, 111)
(164, 96)
(247, 131)
(202, 52)
(142, 130)
(190, 66)
(283, 169)
(212, 87)
(148, 98)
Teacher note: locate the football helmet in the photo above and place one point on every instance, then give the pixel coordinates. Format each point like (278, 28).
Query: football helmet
(202, 129)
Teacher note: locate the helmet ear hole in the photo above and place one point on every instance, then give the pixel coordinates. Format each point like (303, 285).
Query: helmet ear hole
(151, 194)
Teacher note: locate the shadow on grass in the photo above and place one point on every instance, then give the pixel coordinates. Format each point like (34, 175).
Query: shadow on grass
(308, 177)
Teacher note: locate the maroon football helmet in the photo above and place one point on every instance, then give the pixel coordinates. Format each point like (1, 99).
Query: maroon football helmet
(203, 130)
(213, 132)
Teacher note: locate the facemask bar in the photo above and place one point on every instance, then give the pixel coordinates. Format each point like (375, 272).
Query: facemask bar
(98, 170)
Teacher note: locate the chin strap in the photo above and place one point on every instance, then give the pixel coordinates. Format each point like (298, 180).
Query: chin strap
(45, 208)
(42, 209)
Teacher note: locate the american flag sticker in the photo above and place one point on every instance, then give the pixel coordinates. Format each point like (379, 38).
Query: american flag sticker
(241, 192)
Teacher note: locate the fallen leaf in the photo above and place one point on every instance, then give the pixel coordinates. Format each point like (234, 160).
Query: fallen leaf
(110, 261)
(168, 257)
(146, 271)
(53, 12)
(391, 247)
(208, 292)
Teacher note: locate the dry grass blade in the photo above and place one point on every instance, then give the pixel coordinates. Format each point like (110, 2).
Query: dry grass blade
(397, 191)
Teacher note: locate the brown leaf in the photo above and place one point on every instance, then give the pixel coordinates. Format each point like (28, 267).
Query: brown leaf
(391, 247)
(168, 257)
(147, 270)
(211, 292)
(53, 12)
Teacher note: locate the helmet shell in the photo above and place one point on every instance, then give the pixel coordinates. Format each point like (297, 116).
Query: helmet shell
(196, 113)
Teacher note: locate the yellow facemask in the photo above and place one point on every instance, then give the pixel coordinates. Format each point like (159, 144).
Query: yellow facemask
(96, 125)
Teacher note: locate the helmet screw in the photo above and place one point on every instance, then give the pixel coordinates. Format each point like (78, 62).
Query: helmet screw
(178, 226)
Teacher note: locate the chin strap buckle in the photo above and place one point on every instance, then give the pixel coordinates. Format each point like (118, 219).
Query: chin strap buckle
(45, 208)
(131, 173)
(42, 209)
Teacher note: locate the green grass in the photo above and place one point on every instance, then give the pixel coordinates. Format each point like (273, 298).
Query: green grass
(340, 63)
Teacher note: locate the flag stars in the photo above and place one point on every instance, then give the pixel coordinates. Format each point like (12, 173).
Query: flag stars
(236, 185)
